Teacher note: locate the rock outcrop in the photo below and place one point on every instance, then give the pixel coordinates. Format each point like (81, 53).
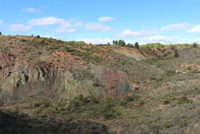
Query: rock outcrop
(32, 67)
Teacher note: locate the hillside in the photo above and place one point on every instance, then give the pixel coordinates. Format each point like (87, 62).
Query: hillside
(128, 90)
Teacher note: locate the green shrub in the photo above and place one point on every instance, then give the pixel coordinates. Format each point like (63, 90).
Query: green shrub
(46, 104)
(37, 104)
(80, 97)
(108, 116)
(166, 102)
(189, 68)
(68, 119)
(176, 53)
(73, 105)
(183, 124)
(122, 102)
(194, 45)
(141, 103)
(106, 100)
(166, 125)
(165, 55)
(37, 36)
(95, 83)
(76, 58)
(183, 100)
(128, 98)
(23, 40)
(137, 88)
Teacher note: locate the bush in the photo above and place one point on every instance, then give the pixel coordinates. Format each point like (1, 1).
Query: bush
(166, 125)
(95, 83)
(183, 124)
(137, 88)
(23, 40)
(73, 105)
(189, 68)
(46, 104)
(194, 45)
(79, 102)
(108, 116)
(106, 100)
(76, 58)
(183, 100)
(37, 36)
(141, 103)
(128, 98)
(122, 102)
(37, 104)
(80, 97)
(166, 102)
(131, 98)
(68, 119)
(176, 53)
(165, 55)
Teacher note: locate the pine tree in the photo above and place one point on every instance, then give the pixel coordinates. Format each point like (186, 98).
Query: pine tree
(194, 45)
(137, 45)
(113, 42)
(122, 43)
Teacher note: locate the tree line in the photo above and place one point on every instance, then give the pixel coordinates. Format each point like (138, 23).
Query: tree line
(122, 43)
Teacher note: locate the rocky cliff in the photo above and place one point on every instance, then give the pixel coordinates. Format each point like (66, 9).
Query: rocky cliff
(32, 67)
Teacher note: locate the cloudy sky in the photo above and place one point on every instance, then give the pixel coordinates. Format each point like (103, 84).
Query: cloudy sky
(101, 21)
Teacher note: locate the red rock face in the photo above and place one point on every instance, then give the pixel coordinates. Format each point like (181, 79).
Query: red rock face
(5, 62)
(4, 58)
(111, 79)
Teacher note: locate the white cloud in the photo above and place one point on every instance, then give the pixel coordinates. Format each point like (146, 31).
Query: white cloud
(18, 28)
(1, 21)
(197, 40)
(67, 26)
(104, 19)
(64, 26)
(60, 30)
(46, 36)
(96, 41)
(128, 33)
(97, 27)
(175, 26)
(32, 10)
(195, 29)
(77, 24)
(44, 21)
(158, 38)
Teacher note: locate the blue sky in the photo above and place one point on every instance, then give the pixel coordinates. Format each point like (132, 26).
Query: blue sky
(101, 21)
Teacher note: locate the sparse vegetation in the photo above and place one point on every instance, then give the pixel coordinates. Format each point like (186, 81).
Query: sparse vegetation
(125, 86)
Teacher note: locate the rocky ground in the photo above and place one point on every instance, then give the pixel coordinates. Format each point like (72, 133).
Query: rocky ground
(52, 86)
